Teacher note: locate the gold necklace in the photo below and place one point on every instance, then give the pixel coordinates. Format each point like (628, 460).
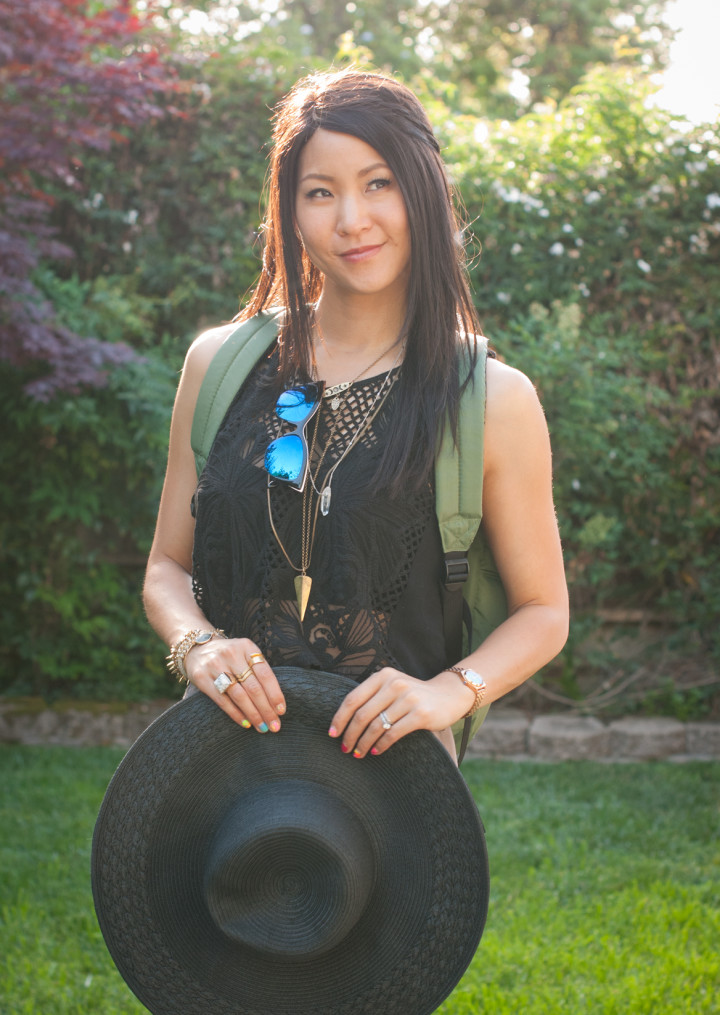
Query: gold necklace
(302, 580)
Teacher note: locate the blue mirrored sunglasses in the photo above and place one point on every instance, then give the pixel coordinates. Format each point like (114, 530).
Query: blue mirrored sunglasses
(287, 457)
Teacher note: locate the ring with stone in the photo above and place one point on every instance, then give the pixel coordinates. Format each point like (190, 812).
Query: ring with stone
(244, 675)
(387, 725)
(256, 658)
(222, 682)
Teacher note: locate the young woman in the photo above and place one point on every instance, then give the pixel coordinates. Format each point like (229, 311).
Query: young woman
(338, 566)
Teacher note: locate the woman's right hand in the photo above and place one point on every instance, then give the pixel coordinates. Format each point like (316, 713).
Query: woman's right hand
(257, 700)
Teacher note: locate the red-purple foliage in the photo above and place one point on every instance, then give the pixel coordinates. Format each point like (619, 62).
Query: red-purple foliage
(72, 76)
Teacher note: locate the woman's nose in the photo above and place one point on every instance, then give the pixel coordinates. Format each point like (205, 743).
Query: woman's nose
(352, 215)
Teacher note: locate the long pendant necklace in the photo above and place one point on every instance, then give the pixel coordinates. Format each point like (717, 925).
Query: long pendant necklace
(303, 581)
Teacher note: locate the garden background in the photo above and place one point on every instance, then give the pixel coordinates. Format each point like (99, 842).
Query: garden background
(133, 146)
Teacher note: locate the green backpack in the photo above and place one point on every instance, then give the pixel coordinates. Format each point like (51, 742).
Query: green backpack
(474, 602)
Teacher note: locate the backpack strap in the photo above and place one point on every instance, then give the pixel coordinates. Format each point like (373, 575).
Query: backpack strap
(458, 505)
(227, 370)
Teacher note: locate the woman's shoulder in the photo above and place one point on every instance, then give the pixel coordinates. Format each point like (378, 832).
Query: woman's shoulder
(513, 410)
(203, 349)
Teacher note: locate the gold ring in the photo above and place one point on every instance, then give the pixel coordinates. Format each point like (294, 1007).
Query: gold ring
(258, 656)
(243, 676)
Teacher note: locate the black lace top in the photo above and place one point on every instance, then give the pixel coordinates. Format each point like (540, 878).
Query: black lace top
(375, 563)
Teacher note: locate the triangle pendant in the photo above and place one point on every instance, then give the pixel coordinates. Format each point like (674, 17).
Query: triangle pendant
(303, 584)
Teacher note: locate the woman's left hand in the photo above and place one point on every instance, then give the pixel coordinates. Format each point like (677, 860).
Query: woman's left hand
(406, 703)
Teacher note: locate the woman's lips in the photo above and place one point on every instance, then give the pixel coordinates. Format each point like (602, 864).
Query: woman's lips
(360, 253)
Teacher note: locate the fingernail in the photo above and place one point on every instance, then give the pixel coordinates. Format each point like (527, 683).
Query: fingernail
(344, 749)
(374, 750)
(357, 754)
(263, 727)
(332, 732)
(246, 724)
(280, 710)
(275, 726)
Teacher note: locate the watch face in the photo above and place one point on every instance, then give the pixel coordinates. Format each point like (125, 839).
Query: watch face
(474, 678)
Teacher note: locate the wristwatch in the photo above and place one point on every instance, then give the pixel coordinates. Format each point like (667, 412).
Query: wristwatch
(475, 682)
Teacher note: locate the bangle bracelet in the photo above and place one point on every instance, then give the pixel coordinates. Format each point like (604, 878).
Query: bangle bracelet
(176, 659)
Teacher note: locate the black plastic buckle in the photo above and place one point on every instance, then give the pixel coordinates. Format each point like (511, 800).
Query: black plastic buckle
(457, 571)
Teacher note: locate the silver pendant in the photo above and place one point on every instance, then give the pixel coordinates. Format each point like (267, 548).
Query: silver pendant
(335, 404)
(325, 501)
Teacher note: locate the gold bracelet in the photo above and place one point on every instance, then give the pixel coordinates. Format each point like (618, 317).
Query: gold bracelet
(178, 651)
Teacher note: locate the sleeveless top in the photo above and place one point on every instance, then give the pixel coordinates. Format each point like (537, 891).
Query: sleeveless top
(376, 561)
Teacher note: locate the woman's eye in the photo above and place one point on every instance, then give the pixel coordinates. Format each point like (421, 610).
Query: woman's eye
(382, 181)
(318, 192)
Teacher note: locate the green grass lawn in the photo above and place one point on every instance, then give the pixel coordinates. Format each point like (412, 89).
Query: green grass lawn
(605, 889)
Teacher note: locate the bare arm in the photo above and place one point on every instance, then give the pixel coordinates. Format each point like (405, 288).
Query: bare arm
(520, 524)
(168, 597)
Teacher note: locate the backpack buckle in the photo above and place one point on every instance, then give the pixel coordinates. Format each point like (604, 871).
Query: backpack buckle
(457, 570)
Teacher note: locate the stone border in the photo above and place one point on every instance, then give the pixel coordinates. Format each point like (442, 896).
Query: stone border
(507, 733)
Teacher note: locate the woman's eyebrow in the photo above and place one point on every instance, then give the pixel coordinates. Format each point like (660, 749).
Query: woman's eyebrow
(328, 178)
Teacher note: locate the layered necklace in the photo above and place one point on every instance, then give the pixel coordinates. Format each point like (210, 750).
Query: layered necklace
(317, 496)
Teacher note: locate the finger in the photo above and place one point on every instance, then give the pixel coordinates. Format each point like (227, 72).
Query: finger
(352, 703)
(249, 695)
(382, 733)
(366, 724)
(225, 702)
(268, 681)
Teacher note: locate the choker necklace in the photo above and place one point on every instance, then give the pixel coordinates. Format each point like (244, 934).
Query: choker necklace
(302, 580)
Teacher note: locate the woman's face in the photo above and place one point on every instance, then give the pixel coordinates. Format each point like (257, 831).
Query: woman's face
(352, 218)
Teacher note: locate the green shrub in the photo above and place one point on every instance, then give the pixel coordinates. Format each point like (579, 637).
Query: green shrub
(80, 484)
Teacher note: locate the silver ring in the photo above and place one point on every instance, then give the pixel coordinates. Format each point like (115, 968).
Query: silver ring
(222, 682)
(387, 725)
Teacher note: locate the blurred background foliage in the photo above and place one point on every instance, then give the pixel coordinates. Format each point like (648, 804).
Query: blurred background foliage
(593, 221)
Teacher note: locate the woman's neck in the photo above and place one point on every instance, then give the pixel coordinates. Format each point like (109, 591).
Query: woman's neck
(350, 334)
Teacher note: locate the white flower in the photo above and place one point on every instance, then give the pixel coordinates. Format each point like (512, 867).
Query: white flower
(557, 250)
(713, 200)
(567, 228)
(612, 453)
(516, 249)
(643, 266)
(127, 247)
(583, 289)
(131, 216)
(575, 484)
(504, 297)
(543, 213)
(593, 196)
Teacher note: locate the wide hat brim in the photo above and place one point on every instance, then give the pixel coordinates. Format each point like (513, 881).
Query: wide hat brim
(235, 873)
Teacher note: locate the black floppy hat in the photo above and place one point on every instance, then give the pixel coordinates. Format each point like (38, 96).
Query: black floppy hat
(235, 873)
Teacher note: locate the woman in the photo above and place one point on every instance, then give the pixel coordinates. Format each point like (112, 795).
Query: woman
(337, 567)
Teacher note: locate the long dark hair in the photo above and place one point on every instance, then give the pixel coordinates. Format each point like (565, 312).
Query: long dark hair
(387, 116)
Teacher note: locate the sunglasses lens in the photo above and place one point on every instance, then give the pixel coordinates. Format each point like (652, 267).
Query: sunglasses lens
(296, 404)
(285, 458)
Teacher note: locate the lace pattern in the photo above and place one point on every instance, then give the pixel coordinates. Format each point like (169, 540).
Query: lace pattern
(364, 608)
